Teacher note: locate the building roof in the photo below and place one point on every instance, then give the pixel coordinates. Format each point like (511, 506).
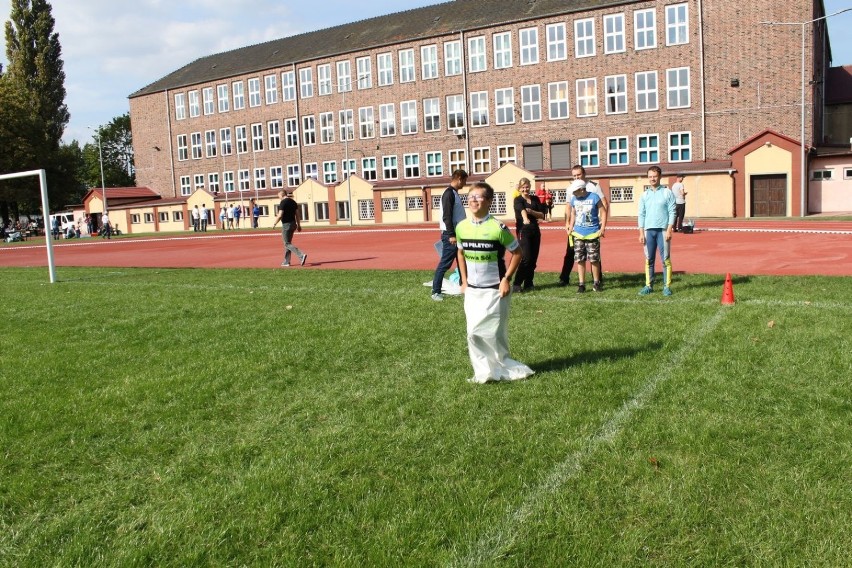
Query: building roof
(420, 23)
(838, 85)
(123, 193)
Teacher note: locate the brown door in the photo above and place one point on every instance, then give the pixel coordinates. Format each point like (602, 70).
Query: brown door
(769, 196)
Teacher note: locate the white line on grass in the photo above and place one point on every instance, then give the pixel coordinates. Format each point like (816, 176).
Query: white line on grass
(499, 539)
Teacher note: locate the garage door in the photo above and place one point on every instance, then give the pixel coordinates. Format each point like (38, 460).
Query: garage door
(769, 196)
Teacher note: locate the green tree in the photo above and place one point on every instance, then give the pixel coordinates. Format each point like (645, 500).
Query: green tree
(117, 147)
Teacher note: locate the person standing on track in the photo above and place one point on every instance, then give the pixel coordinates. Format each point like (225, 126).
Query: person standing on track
(451, 214)
(680, 202)
(656, 220)
(578, 172)
(288, 214)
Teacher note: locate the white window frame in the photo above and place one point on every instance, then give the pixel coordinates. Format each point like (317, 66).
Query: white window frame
(644, 149)
(185, 185)
(457, 158)
(366, 123)
(429, 62)
(616, 148)
(288, 86)
(225, 144)
(366, 209)
(411, 166)
(182, 147)
(273, 130)
(195, 144)
(309, 130)
(346, 118)
(276, 177)
(344, 76)
(291, 132)
(680, 151)
(506, 155)
(531, 103)
(647, 94)
(588, 150)
(329, 172)
(228, 182)
(434, 164)
(257, 137)
(584, 38)
(481, 160)
(557, 44)
(241, 139)
(387, 120)
(180, 106)
(384, 66)
(677, 24)
(645, 29)
(209, 105)
(528, 40)
(615, 94)
(326, 120)
(408, 117)
(502, 48)
(324, 79)
(390, 167)
(479, 109)
(254, 92)
(452, 58)
(613, 25)
(194, 107)
(294, 175)
(677, 88)
(432, 114)
(238, 90)
(210, 144)
(406, 66)
(455, 112)
(311, 170)
(476, 55)
(364, 69)
(558, 101)
(224, 96)
(587, 104)
(259, 178)
(306, 82)
(504, 106)
(244, 180)
(369, 168)
(270, 86)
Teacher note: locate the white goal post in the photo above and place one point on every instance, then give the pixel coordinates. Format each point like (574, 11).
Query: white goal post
(45, 213)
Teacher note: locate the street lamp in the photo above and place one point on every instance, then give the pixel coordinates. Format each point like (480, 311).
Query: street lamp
(101, 160)
(803, 165)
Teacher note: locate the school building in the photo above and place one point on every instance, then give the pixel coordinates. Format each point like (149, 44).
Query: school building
(366, 121)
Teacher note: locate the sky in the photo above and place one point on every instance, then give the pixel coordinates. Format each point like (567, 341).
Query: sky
(112, 48)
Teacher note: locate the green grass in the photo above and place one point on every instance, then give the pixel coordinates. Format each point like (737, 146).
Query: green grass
(322, 418)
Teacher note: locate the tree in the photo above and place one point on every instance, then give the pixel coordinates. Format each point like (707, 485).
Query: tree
(117, 147)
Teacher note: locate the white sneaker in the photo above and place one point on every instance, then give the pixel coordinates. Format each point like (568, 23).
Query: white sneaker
(438, 297)
(285, 264)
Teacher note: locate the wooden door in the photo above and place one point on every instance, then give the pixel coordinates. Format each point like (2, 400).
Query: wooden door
(769, 196)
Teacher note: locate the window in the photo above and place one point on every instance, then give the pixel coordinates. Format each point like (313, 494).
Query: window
(164, 216)
(254, 92)
(242, 139)
(556, 49)
(294, 175)
(584, 37)
(329, 172)
(847, 173)
(149, 217)
(482, 160)
(588, 148)
(429, 62)
(224, 98)
(479, 108)
(558, 100)
(645, 29)
(411, 165)
(560, 155)
(406, 66)
(504, 106)
(195, 140)
(822, 175)
(680, 146)
(244, 180)
(324, 79)
(366, 123)
(291, 132)
(506, 155)
(455, 112)
(309, 132)
(274, 132)
(183, 148)
(648, 148)
(534, 157)
(452, 58)
(311, 171)
(613, 33)
(326, 127)
(348, 169)
(364, 68)
(366, 209)
(408, 117)
(347, 124)
(434, 164)
(431, 115)
(677, 87)
(384, 62)
(529, 46)
(646, 91)
(306, 83)
(209, 104)
(621, 194)
(476, 54)
(239, 95)
(617, 153)
(270, 83)
(225, 141)
(587, 97)
(677, 24)
(343, 210)
(387, 120)
(198, 181)
(368, 169)
(436, 201)
(616, 94)
(260, 178)
(321, 211)
(288, 86)
(210, 143)
(531, 103)
(213, 182)
(502, 50)
(228, 181)
(177, 216)
(135, 219)
(498, 206)
(344, 76)
(390, 204)
(390, 167)
(458, 160)
(276, 177)
(414, 203)
(257, 137)
(185, 187)
(180, 106)
(304, 212)
(194, 108)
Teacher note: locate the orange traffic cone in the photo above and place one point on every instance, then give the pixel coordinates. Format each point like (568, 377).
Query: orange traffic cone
(728, 292)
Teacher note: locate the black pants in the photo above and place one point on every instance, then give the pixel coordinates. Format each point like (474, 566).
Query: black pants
(680, 212)
(530, 240)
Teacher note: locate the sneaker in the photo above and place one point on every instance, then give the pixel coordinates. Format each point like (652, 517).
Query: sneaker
(438, 297)
(285, 264)
(304, 259)
(581, 288)
(529, 289)
(667, 291)
(645, 291)
(562, 283)
(597, 287)
(516, 289)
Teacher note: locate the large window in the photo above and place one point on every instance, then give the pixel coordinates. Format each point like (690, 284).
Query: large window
(390, 167)
(476, 54)
(344, 76)
(364, 69)
(502, 50)
(531, 103)
(195, 139)
(384, 63)
(406, 66)
(260, 178)
(180, 106)
(329, 172)
(294, 175)
(366, 209)
(324, 79)
(408, 117)
(257, 137)
(326, 127)
(455, 111)
(584, 37)
(228, 182)
(648, 149)
(210, 143)
(387, 120)
(452, 58)
(506, 155)
(306, 82)
(209, 104)
(390, 204)
(225, 141)
(183, 148)
(434, 164)
(587, 97)
(529, 46)
(616, 94)
(242, 139)
(347, 124)
(239, 95)
(644, 29)
(556, 45)
(244, 178)
(677, 24)
(558, 100)
(343, 210)
(291, 132)
(588, 149)
(431, 115)
(504, 106)
(680, 146)
(288, 86)
(411, 165)
(613, 33)
(254, 92)
(185, 185)
(458, 160)
(482, 160)
(276, 177)
(309, 130)
(270, 83)
(368, 169)
(646, 91)
(312, 171)
(194, 107)
(224, 98)
(429, 62)
(677, 87)
(321, 211)
(617, 152)
(366, 123)
(479, 109)
(274, 132)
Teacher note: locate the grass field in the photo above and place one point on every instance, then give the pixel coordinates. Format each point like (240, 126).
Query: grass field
(322, 418)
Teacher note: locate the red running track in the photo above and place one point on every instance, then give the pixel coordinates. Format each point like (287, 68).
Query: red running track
(718, 247)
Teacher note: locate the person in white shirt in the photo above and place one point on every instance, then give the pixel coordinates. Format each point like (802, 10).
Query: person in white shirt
(680, 202)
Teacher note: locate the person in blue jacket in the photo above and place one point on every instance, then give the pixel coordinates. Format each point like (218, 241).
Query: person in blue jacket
(656, 220)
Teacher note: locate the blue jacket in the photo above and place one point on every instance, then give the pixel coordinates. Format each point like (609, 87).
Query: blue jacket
(656, 208)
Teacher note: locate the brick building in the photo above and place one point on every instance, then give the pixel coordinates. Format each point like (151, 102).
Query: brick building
(402, 100)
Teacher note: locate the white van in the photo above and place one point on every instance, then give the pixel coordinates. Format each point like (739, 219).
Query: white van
(66, 219)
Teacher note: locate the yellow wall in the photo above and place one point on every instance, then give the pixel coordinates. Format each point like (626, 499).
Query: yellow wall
(170, 225)
(768, 160)
(309, 192)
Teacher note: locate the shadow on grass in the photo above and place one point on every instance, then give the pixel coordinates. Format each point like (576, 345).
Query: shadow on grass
(340, 261)
(562, 363)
